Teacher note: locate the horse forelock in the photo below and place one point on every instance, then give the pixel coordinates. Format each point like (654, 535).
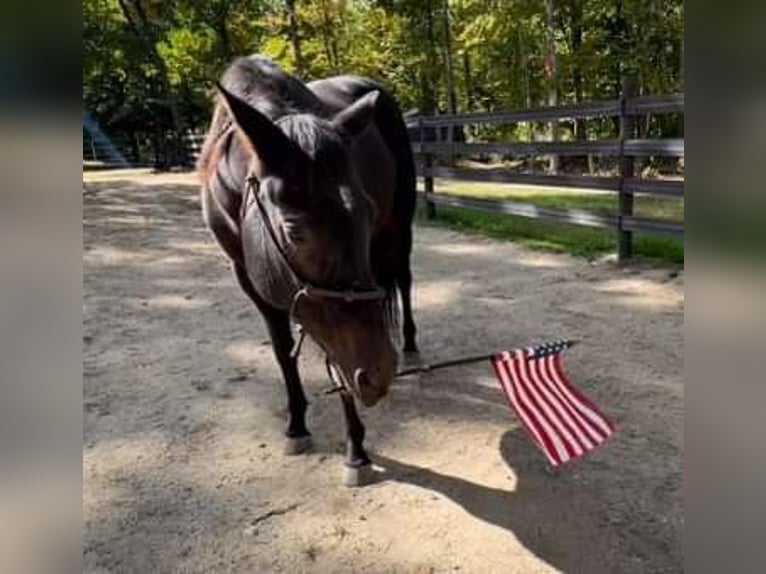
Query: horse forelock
(264, 85)
(325, 149)
(314, 135)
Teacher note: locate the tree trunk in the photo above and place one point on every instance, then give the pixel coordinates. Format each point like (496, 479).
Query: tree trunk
(468, 81)
(618, 30)
(295, 39)
(551, 66)
(224, 41)
(328, 39)
(431, 94)
(581, 163)
(451, 92)
(450, 70)
(529, 163)
(147, 37)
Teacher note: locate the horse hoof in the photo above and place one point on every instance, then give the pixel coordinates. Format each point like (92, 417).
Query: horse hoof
(298, 445)
(358, 476)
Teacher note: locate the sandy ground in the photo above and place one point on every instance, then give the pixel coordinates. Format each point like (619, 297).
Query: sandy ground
(184, 413)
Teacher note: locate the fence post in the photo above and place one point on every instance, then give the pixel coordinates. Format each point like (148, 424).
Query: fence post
(627, 166)
(428, 178)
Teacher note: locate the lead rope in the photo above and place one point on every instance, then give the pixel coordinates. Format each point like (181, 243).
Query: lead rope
(252, 188)
(304, 287)
(296, 350)
(253, 185)
(339, 386)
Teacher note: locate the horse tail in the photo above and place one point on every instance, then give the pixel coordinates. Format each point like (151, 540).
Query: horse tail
(391, 309)
(392, 128)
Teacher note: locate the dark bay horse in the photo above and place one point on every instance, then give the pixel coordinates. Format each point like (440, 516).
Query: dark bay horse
(310, 191)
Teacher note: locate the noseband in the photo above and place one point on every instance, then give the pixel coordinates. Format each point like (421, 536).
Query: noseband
(305, 288)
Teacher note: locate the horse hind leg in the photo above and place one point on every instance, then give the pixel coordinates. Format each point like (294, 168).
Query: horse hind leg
(278, 323)
(404, 284)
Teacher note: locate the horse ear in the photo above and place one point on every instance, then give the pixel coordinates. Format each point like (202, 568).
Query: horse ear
(268, 142)
(355, 118)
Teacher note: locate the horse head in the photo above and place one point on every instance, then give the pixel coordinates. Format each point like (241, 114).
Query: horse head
(310, 225)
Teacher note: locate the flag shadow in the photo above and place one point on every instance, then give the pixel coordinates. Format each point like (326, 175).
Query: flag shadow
(561, 516)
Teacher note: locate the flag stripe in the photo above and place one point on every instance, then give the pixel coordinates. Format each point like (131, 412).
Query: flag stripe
(526, 414)
(561, 420)
(583, 403)
(601, 417)
(574, 434)
(583, 412)
(560, 435)
(588, 434)
(500, 365)
(505, 365)
(554, 448)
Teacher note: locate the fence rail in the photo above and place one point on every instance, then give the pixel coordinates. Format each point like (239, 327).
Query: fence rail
(576, 111)
(633, 147)
(626, 148)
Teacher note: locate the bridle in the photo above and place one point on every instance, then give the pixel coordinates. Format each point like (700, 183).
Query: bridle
(304, 288)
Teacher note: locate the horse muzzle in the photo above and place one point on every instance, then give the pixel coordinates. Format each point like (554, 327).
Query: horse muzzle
(370, 389)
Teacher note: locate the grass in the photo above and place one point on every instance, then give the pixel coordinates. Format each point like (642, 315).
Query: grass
(559, 237)
(602, 202)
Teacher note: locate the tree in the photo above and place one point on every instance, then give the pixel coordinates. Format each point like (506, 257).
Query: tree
(147, 33)
(295, 38)
(149, 65)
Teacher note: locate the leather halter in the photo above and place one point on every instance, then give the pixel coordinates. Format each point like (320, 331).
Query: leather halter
(305, 288)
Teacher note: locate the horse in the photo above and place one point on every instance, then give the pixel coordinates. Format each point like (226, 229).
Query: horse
(309, 189)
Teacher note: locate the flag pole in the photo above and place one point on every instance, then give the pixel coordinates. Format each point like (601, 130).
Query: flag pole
(455, 362)
(428, 367)
(443, 364)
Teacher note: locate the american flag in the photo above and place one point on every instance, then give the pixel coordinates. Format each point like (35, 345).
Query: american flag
(561, 420)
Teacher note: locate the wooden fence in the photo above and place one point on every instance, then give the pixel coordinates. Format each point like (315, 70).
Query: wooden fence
(625, 183)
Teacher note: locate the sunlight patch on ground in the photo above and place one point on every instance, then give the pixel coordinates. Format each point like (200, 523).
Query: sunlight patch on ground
(167, 261)
(459, 249)
(196, 247)
(499, 189)
(141, 176)
(541, 261)
(180, 302)
(141, 220)
(245, 352)
(121, 206)
(112, 174)
(504, 254)
(643, 294)
(105, 255)
(435, 294)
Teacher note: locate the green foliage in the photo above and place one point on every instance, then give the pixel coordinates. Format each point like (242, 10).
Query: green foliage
(149, 65)
(560, 237)
(562, 198)
(585, 242)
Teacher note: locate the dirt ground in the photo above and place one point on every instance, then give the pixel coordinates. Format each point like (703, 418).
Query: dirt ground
(184, 412)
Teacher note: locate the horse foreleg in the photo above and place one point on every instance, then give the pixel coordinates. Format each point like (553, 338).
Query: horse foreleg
(358, 468)
(278, 323)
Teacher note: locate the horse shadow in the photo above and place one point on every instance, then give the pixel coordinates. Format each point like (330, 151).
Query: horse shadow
(558, 516)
